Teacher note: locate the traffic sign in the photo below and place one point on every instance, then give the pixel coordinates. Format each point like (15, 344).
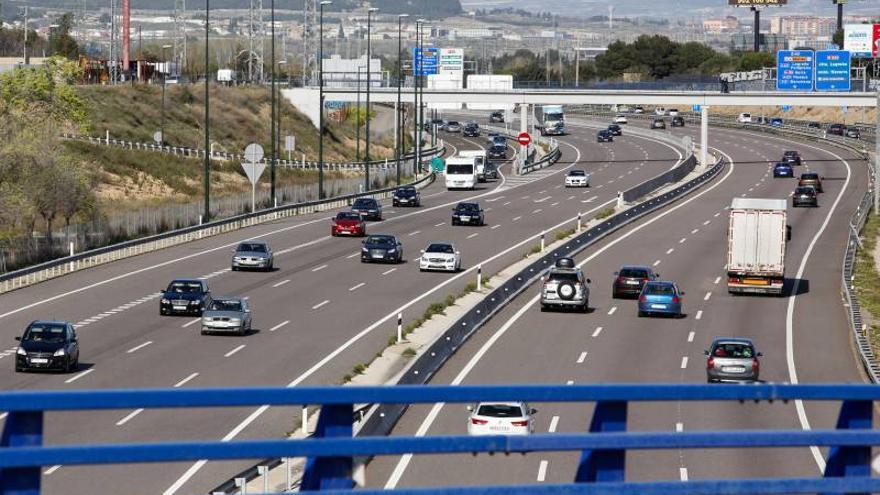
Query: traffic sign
(786, 108)
(524, 138)
(253, 153)
(794, 70)
(833, 70)
(438, 164)
(290, 143)
(425, 61)
(157, 137)
(696, 108)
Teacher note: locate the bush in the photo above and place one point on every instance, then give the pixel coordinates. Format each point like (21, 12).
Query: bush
(607, 212)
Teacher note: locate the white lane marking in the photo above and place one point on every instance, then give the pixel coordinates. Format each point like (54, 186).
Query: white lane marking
(185, 380)
(3, 416)
(322, 303)
(670, 250)
(695, 231)
(516, 218)
(543, 199)
(356, 287)
(656, 263)
(129, 417)
(79, 375)
(569, 198)
(139, 347)
(439, 224)
(683, 474)
(414, 233)
(473, 235)
(717, 279)
(386, 272)
(539, 210)
(319, 268)
(554, 422)
(717, 214)
(52, 469)
(708, 295)
(495, 199)
(352, 256)
(699, 314)
(679, 427)
(191, 322)
(691, 336)
(612, 310)
(542, 470)
(276, 327)
(681, 241)
(597, 331)
(554, 204)
(505, 204)
(279, 284)
(592, 198)
(684, 362)
(582, 357)
(495, 227)
(707, 222)
(230, 353)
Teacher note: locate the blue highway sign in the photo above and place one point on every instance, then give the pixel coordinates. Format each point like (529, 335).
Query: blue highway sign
(833, 70)
(425, 62)
(794, 70)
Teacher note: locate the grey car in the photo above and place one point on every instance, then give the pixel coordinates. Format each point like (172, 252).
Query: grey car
(732, 359)
(565, 287)
(227, 315)
(253, 255)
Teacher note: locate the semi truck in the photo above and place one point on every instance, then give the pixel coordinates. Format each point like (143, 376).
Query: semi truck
(756, 241)
(551, 120)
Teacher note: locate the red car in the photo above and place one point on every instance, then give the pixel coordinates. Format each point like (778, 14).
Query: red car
(348, 223)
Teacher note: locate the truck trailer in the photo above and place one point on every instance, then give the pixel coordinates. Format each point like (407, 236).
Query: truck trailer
(756, 242)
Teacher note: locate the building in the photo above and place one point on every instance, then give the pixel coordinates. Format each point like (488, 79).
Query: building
(718, 26)
(345, 72)
(803, 26)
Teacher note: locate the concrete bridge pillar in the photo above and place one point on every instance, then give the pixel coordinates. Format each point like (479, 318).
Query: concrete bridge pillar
(704, 135)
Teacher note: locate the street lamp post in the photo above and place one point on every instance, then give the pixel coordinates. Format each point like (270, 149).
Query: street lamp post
(321, 99)
(369, 76)
(399, 129)
(420, 114)
(164, 77)
(273, 150)
(207, 214)
(278, 114)
(357, 120)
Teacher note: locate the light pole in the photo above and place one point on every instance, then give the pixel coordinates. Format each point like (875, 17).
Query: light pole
(273, 149)
(420, 114)
(164, 76)
(357, 120)
(399, 129)
(321, 99)
(369, 76)
(278, 116)
(207, 215)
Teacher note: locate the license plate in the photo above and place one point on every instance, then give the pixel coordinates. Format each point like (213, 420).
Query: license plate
(179, 308)
(632, 282)
(752, 281)
(733, 369)
(465, 219)
(39, 360)
(378, 255)
(658, 306)
(499, 428)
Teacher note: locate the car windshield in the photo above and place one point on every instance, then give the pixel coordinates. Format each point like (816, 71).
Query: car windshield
(804, 190)
(347, 215)
(634, 273)
(500, 410)
(364, 203)
(660, 290)
(490, 167)
(381, 240)
(252, 247)
(225, 305)
(791, 153)
(51, 334)
(810, 176)
(440, 248)
(459, 169)
(499, 140)
(733, 350)
(563, 277)
(468, 207)
(185, 287)
(452, 122)
(577, 173)
(783, 165)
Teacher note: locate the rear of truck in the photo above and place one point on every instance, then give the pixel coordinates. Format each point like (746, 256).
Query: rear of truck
(757, 236)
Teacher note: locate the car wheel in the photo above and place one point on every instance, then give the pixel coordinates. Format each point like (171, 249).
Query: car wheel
(586, 307)
(235, 268)
(242, 331)
(204, 332)
(19, 369)
(543, 308)
(67, 366)
(421, 269)
(641, 314)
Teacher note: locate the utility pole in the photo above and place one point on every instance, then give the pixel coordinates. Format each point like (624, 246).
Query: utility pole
(274, 108)
(757, 12)
(839, 4)
(370, 12)
(26, 61)
(207, 215)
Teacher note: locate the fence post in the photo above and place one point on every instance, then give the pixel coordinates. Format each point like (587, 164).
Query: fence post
(542, 240)
(399, 327)
(579, 222)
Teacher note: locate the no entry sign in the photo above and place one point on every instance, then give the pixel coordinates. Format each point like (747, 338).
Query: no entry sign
(524, 138)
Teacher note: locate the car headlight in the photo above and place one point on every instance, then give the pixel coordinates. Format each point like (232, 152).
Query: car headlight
(195, 303)
(21, 351)
(392, 250)
(165, 301)
(364, 250)
(59, 352)
(235, 321)
(237, 258)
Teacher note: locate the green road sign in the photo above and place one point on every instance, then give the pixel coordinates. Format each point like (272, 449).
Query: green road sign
(438, 164)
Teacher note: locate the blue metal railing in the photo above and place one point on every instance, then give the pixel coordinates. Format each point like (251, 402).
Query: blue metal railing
(331, 449)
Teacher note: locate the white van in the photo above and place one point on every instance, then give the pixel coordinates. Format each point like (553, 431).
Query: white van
(660, 111)
(461, 172)
(480, 156)
(744, 118)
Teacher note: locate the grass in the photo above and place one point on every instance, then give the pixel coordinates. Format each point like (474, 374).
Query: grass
(867, 280)
(605, 213)
(564, 234)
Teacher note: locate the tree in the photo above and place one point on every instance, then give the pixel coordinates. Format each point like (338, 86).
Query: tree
(837, 39)
(749, 61)
(61, 43)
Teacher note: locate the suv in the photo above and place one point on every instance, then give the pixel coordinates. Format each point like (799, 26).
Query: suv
(369, 208)
(185, 296)
(678, 121)
(468, 213)
(497, 151)
(732, 360)
(837, 129)
(630, 280)
(471, 129)
(565, 286)
(658, 124)
(406, 196)
(804, 196)
(496, 117)
(811, 179)
(615, 130)
(792, 157)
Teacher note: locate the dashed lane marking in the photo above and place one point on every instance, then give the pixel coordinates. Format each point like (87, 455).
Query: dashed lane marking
(597, 331)
(191, 322)
(79, 375)
(612, 310)
(582, 357)
(139, 347)
(691, 336)
(276, 327)
(279, 284)
(320, 304)
(554, 422)
(684, 362)
(356, 287)
(233, 351)
(185, 380)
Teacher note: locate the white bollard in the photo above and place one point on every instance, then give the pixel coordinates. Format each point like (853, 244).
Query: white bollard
(399, 327)
(241, 483)
(479, 277)
(542, 241)
(71, 253)
(579, 222)
(264, 472)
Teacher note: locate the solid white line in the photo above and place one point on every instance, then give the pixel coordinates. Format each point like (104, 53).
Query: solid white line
(717, 279)
(473, 235)
(699, 315)
(683, 473)
(356, 287)
(230, 353)
(708, 295)
(319, 268)
(542, 470)
(191, 322)
(582, 357)
(612, 310)
(352, 256)
(684, 362)
(279, 284)
(656, 263)
(79, 375)
(691, 336)
(554, 422)
(276, 327)
(322, 303)
(386, 272)
(185, 380)
(137, 348)
(129, 417)
(679, 427)
(597, 331)
(670, 250)
(52, 469)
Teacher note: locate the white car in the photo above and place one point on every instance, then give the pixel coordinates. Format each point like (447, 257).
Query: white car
(577, 178)
(673, 112)
(620, 119)
(440, 256)
(660, 111)
(500, 418)
(638, 110)
(744, 118)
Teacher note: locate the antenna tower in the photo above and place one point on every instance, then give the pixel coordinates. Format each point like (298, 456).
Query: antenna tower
(256, 39)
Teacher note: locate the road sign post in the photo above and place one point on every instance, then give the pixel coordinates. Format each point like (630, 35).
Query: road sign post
(253, 167)
(794, 70)
(289, 145)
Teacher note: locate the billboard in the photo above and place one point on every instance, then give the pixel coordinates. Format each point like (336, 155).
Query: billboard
(833, 70)
(794, 70)
(858, 39)
(752, 3)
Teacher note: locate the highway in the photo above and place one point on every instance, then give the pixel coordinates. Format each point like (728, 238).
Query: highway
(804, 337)
(316, 316)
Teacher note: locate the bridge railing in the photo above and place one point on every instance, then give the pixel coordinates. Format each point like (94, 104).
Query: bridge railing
(331, 450)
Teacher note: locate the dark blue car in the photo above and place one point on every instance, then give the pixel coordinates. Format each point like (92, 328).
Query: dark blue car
(776, 121)
(660, 298)
(782, 169)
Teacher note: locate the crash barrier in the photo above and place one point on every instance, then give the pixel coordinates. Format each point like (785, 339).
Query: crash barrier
(331, 450)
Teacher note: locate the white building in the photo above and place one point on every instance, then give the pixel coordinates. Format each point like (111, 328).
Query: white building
(341, 72)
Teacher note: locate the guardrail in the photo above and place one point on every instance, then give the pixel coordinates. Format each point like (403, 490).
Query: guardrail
(331, 450)
(44, 271)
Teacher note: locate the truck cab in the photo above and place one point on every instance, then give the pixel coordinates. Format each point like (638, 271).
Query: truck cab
(551, 120)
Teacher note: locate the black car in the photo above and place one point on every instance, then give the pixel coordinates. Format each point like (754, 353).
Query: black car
(48, 345)
(837, 129)
(678, 121)
(853, 133)
(615, 130)
(814, 125)
(497, 151)
(187, 296)
(406, 196)
(658, 124)
(496, 117)
(604, 136)
(791, 157)
(468, 213)
(382, 248)
(369, 208)
(471, 130)
(490, 171)
(630, 279)
(805, 196)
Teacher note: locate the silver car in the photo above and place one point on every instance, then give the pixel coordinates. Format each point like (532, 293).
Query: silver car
(253, 255)
(732, 360)
(565, 286)
(227, 315)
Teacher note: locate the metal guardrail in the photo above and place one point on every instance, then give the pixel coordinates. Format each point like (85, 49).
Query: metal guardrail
(674, 175)
(331, 450)
(44, 271)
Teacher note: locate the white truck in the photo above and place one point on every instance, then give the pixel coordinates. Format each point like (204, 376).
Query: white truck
(461, 172)
(480, 157)
(551, 120)
(757, 236)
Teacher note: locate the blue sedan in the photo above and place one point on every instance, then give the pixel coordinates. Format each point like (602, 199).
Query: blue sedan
(782, 170)
(660, 298)
(776, 122)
